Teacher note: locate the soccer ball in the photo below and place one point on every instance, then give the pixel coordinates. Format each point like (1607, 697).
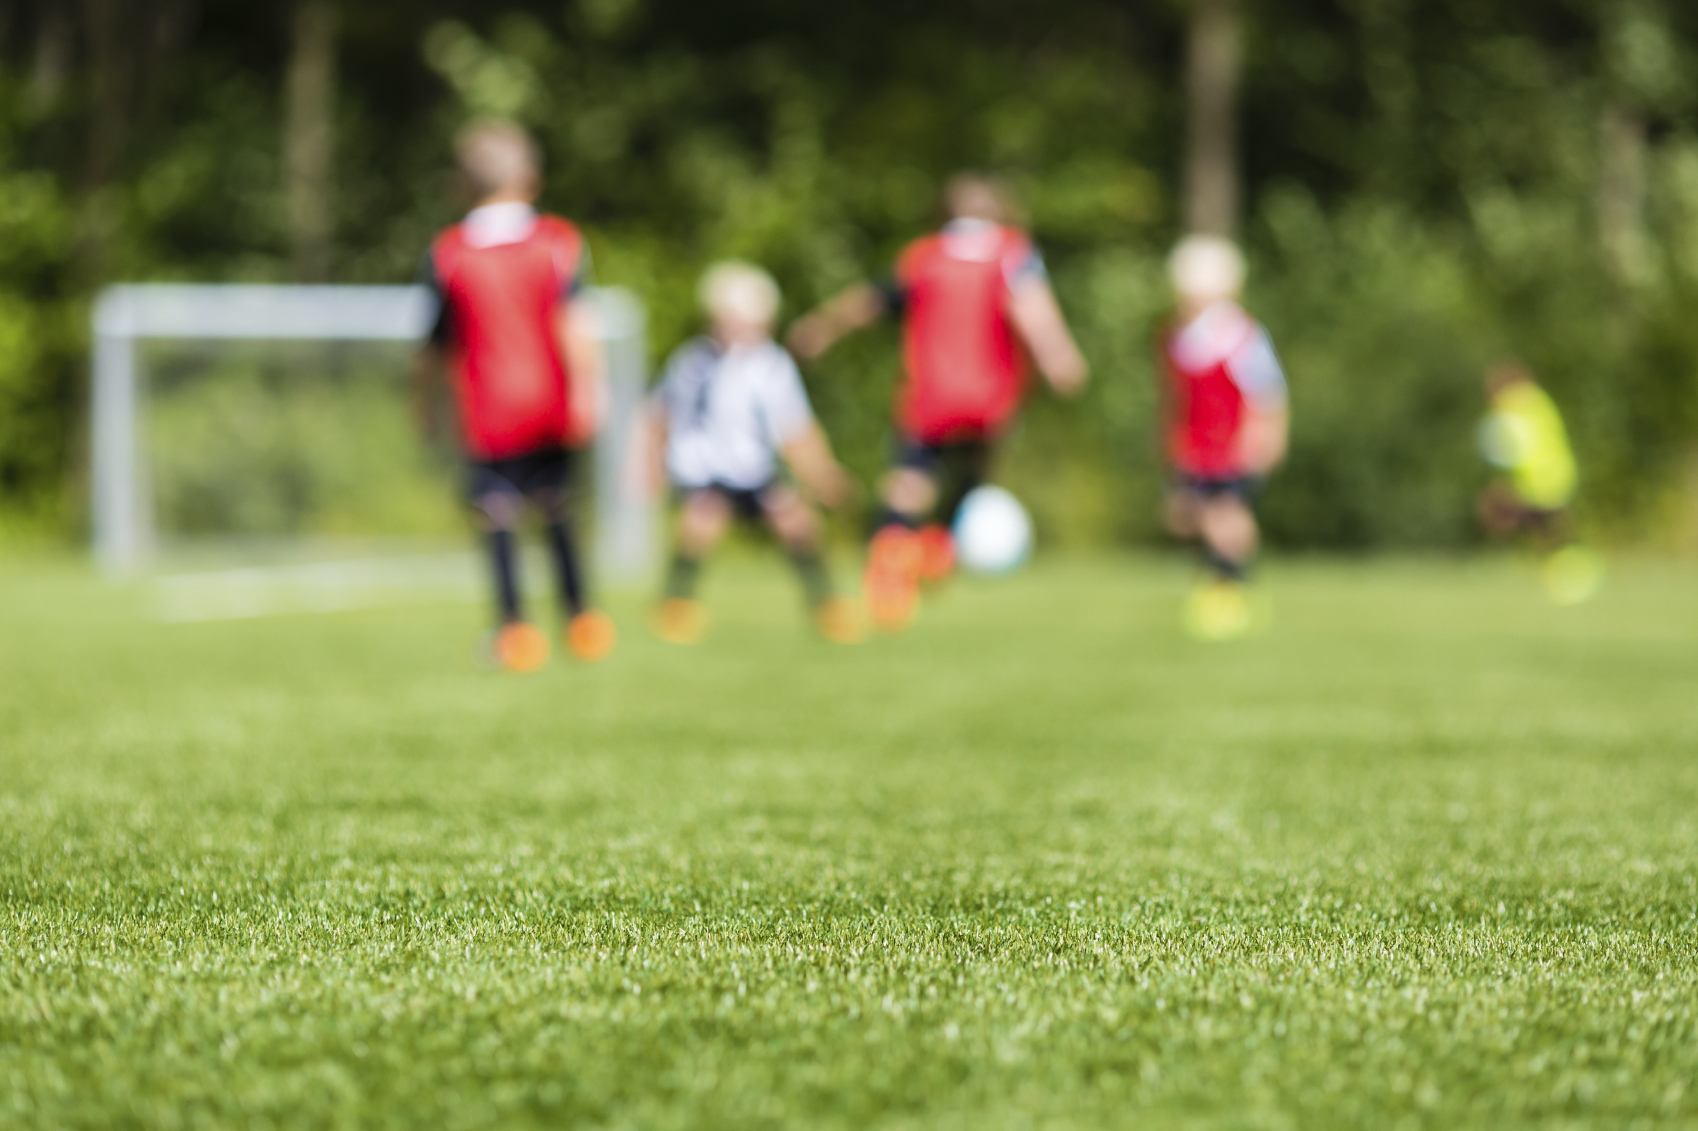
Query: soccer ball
(993, 533)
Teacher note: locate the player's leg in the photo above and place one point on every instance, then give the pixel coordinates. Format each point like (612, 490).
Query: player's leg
(1181, 512)
(702, 521)
(1230, 536)
(1499, 511)
(498, 505)
(589, 632)
(1219, 608)
(798, 529)
(908, 494)
(965, 466)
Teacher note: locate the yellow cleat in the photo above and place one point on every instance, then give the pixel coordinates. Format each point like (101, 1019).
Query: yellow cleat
(1573, 575)
(839, 621)
(679, 620)
(520, 647)
(590, 635)
(1218, 610)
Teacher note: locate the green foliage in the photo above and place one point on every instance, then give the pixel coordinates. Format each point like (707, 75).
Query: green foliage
(1427, 187)
(1424, 856)
(291, 441)
(39, 336)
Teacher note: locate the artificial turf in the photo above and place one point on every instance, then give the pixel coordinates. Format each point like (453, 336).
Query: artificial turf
(1425, 854)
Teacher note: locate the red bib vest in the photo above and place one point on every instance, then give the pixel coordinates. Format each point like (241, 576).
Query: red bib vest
(504, 303)
(964, 370)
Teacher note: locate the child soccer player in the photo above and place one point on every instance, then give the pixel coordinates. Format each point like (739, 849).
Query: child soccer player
(728, 407)
(1523, 434)
(525, 371)
(1227, 424)
(974, 300)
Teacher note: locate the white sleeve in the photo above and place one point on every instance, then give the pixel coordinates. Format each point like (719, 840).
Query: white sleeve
(1256, 371)
(784, 400)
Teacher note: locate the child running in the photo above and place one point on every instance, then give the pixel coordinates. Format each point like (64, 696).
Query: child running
(1227, 425)
(729, 407)
(1523, 435)
(526, 372)
(975, 301)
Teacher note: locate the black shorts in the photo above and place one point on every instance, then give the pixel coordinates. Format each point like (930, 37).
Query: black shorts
(1245, 488)
(970, 456)
(747, 503)
(956, 466)
(543, 472)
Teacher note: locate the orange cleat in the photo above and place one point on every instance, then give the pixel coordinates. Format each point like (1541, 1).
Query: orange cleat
(520, 647)
(893, 578)
(679, 620)
(839, 621)
(590, 635)
(937, 553)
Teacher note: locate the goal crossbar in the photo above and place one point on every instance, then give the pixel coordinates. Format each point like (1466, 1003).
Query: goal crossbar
(124, 537)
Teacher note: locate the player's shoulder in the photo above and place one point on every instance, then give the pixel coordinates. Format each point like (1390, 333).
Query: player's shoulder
(777, 361)
(692, 355)
(916, 251)
(1015, 239)
(449, 240)
(557, 230)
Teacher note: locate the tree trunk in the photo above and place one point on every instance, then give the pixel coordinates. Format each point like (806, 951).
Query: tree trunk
(309, 139)
(112, 72)
(1621, 192)
(1211, 90)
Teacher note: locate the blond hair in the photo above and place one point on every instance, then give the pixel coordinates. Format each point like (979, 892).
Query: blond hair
(1207, 267)
(735, 289)
(496, 155)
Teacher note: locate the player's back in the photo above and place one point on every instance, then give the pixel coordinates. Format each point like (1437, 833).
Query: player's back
(965, 370)
(501, 286)
(1543, 468)
(1208, 362)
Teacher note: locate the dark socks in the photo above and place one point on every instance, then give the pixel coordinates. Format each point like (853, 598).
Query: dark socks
(816, 580)
(1224, 568)
(506, 570)
(568, 572)
(888, 517)
(681, 576)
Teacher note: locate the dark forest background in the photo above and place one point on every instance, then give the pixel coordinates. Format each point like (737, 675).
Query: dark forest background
(1422, 186)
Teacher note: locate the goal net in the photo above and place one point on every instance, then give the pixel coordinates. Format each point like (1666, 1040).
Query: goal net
(273, 425)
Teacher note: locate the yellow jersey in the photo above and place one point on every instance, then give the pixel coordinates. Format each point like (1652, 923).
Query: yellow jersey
(1525, 436)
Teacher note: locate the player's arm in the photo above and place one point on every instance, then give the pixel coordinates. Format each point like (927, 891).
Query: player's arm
(1265, 432)
(586, 366)
(659, 426)
(809, 455)
(430, 363)
(849, 310)
(1037, 319)
(1263, 440)
(428, 370)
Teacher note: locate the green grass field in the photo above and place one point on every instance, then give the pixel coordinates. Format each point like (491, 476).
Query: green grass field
(1424, 855)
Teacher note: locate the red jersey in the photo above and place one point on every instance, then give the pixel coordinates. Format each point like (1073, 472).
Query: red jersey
(503, 275)
(1217, 365)
(964, 369)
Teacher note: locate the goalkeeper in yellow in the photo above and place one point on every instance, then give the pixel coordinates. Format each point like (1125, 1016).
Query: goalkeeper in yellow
(1523, 435)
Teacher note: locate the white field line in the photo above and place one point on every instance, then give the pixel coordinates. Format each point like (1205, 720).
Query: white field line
(320, 587)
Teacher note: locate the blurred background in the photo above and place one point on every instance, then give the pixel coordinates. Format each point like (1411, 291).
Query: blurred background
(1421, 187)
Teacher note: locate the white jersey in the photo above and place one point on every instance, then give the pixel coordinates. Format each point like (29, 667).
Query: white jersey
(728, 412)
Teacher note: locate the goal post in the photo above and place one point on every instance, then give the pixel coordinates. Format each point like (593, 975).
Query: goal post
(125, 540)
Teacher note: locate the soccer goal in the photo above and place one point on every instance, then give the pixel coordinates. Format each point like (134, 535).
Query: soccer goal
(205, 398)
